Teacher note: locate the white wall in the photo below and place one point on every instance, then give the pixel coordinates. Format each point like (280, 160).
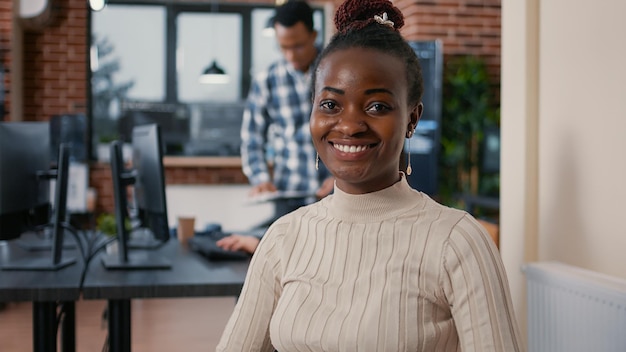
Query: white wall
(564, 136)
(583, 134)
(227, 205)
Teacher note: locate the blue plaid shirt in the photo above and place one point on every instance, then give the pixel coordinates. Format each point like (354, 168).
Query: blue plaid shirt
(276, 126)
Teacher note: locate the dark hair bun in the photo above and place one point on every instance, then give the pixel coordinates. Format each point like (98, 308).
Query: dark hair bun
(356, 14)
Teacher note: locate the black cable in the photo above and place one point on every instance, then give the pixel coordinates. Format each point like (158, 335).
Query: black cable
(74, 233)
(91, 240)
(60, 317)
(92, 248)
(102, 245)
(92, 254)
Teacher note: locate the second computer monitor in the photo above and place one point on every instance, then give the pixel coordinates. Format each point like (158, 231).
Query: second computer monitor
(147, 179)
(150, 180)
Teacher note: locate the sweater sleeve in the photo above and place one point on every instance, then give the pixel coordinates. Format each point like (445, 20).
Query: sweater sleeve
(477, 290)
(248, 326)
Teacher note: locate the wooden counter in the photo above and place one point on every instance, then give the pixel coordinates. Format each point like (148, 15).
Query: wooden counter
(206, 161)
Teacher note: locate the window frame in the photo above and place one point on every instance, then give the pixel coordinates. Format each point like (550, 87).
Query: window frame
(172, 11)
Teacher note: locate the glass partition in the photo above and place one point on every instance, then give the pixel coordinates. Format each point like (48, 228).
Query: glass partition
(127, 63)
(201, 41)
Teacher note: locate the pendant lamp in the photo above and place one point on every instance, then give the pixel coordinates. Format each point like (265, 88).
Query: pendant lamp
(97, 5)
(214, 74)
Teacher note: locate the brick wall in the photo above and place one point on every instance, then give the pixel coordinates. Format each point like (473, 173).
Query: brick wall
(6, 10)
(56, 61)
(466, 27)
(100, 179)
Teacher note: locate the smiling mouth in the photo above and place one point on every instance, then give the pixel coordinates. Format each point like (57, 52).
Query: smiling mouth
(351, 148)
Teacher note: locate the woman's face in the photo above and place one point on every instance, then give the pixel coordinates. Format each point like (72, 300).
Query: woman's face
(360, 117)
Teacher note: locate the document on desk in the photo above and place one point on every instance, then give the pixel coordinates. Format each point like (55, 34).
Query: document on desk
(278, 195)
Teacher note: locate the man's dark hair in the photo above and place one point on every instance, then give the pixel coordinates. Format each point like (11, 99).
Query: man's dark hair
(294, 11)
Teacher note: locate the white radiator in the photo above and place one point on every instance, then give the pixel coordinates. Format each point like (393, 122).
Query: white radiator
(573, 309)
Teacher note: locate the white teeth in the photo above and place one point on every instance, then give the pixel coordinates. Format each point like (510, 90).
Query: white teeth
(350, 148)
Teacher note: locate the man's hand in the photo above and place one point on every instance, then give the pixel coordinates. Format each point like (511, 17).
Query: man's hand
(326, 187)
(236, 242)
(261, 188)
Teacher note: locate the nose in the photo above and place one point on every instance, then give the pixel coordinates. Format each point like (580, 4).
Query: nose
(352, 122)
(290, 55)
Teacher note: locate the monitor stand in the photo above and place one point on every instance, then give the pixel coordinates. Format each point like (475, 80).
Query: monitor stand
(143, 239)
(136, 261)
(34, 243)
(144, 243)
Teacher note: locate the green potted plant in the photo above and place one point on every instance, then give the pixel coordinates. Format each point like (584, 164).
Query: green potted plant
(107, 225)
(468, 110)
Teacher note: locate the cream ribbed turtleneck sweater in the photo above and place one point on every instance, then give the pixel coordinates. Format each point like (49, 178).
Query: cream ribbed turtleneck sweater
(385, 271)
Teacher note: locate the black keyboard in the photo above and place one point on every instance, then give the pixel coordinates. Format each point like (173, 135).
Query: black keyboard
(207, 247)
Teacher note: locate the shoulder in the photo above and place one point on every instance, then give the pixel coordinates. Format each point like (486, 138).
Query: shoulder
(275, 234)
(275, 69)
(467, 227)
(468, 243)
(457, 224)
(282, 234)
(276, 247)
(451, 227)
(287, 222)
(441, 218)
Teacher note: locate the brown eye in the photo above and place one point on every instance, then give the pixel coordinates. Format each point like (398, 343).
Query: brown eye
(328, 105)
(378, 107)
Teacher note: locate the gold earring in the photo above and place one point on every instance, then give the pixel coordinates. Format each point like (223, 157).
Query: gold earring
(317, 161)
(409, 170)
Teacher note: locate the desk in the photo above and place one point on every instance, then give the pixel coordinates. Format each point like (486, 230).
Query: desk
(44, 289)
(190, 276)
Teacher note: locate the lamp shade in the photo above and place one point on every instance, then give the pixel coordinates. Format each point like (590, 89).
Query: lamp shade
(268, 30)
(214, 74)
(97, 5)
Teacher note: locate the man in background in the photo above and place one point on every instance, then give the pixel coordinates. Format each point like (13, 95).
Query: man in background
(276, 151)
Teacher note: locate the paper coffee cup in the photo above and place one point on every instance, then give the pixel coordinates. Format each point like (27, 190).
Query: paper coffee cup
(186, 228)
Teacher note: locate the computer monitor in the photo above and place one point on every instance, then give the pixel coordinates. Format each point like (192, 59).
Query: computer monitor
(70, 129)
(25, 219)
(149, 188)
(170, 116)
(147, 174)
(24, 193)
(60, 211)
(424, 145)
